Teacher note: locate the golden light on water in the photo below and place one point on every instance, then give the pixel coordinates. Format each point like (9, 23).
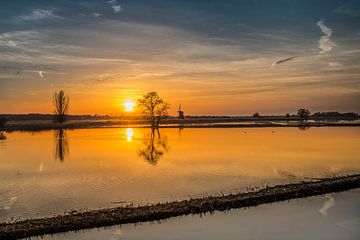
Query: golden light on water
(129, 134)
(129, 106)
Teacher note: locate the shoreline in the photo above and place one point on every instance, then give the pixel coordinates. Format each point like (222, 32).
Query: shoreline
(113, 124)
(137, 214)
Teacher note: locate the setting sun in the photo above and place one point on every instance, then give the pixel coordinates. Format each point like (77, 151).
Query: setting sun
(129, 106)
(126, 112)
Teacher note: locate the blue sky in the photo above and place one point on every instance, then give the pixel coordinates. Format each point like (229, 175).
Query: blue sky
(240, 56)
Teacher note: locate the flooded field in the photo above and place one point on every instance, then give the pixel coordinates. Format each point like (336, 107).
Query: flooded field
(330, 216)
(52, 172)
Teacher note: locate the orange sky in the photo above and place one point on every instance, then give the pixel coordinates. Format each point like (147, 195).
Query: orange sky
(214, 60)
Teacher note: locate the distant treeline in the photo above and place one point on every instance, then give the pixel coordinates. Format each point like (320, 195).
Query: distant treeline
(336, 115)
(39, 116)
(256, 116)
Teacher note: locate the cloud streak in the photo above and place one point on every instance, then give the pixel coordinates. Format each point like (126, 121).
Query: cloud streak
(115, 5)
(325, 43)
(345, 10)
(38, 14)
(282, 61)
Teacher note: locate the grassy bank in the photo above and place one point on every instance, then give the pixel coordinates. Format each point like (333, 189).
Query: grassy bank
(49, 125)
(123, 215)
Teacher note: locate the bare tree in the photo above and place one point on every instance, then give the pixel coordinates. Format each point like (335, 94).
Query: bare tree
(61, 106)
(154, 108)
(303, 114)
(256, 115)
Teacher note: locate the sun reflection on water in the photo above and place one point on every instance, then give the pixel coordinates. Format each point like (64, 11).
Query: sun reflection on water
(129, 134)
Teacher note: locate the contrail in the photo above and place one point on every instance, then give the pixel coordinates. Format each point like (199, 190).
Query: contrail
(283, 60)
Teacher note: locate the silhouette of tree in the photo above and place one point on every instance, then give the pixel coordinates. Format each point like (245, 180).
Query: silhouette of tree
(303, 114)
(154, 148)
(61, 145)
(256, 115)
(61, 106)
(154, 108)
(3, 121)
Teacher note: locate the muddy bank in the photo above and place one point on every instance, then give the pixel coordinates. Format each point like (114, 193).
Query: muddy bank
(123, 215)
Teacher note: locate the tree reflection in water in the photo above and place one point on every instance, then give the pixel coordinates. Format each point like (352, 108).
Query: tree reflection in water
(154, 147)
(303, 127)
(2, 135)
(61, 145)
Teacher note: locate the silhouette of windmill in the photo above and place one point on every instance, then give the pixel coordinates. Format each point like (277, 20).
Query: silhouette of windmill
(181, 113)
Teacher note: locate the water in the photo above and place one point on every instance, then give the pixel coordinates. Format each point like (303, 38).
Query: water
(47, 173)
(330, 217)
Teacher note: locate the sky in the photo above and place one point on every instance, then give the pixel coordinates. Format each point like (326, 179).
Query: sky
(222, 57)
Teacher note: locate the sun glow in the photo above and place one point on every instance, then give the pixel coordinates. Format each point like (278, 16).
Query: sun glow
(129, 106)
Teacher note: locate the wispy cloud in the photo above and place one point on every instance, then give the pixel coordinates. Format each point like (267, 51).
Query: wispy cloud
(38, 14)
(282, 61)
(345, 10)
(334, 64)
(325, 43)
(115, 5)
(6, 41)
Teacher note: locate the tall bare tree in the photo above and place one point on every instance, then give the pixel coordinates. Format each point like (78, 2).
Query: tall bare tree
(154, 108)
(61, 106)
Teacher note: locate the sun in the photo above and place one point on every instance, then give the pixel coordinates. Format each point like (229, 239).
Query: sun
(129, 106)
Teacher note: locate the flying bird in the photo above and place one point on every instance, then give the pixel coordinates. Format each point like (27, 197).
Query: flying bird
(282, 61)
(41, 73)
(18, 70)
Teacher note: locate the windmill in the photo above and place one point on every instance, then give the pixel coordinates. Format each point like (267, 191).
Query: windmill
(181, 113)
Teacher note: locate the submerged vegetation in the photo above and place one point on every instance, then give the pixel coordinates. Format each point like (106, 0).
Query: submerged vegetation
(123, 215)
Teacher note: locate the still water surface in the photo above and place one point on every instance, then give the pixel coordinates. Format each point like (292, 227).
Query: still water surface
(47, 173)
(327, 217)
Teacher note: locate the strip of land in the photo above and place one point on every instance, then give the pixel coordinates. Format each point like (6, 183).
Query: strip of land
(123, 215)
(202, 123)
